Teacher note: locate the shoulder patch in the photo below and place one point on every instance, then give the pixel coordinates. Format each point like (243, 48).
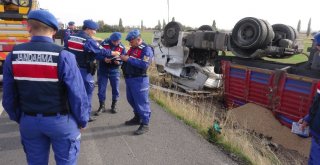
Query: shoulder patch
(141, 46)
(146, 58)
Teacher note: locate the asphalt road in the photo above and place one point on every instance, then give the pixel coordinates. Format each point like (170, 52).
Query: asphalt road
(109, 141)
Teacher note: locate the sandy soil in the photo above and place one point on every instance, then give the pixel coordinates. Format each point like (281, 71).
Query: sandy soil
(290, 148)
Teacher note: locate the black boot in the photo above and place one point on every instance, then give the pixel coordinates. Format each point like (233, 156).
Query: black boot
(91, 118)
(113, 106)
(101, 109)
(134, 121)
(142, 129)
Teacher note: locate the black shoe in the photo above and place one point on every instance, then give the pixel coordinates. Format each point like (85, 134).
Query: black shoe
(134, 121)
(101, 109)
(114, 106)
(142, 129)
(91, 118)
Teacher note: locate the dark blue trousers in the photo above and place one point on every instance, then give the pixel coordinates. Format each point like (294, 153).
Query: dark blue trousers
(314, 157)
(39, 132)
(102, 86)
(138, 97)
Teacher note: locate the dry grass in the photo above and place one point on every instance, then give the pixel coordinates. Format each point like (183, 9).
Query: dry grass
(252, 146)
(201, 116)
(198, 116)
(185, 109)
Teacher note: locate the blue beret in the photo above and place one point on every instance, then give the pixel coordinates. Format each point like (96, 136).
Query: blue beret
(90, 24)
(115, 36)
(45, 17)
(71, 23)
(317, 38)
(133, 34)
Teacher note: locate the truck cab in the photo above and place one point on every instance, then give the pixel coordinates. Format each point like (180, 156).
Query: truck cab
(13, 25)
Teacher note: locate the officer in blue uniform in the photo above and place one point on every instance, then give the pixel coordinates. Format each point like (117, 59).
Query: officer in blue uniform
(134, 67)
(313, 120)
(44, 93)
(69, 31)
(109, 69)
(86, 51)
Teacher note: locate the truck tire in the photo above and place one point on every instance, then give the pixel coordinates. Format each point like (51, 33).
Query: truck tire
(270, 34)
(249, 33)
(205, 28)
(282, 32)
(171, 34)
(240, 52)
(295, 32)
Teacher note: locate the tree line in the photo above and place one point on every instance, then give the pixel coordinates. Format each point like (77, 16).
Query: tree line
(103, 28)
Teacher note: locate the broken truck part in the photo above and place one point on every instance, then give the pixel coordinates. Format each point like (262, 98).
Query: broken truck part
(196, 60)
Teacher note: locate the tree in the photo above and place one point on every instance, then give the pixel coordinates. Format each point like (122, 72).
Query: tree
(121, 28)
(173, 19)
(141, 25)
(309, 28)
(120, 23)
(101, 24)
(158, 27)
(163, 24)
(214, 27)
(299, 26)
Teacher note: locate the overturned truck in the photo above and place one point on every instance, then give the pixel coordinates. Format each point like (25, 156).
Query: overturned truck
(197, 60)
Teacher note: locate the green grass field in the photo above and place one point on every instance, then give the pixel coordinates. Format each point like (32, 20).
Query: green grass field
(147, 37)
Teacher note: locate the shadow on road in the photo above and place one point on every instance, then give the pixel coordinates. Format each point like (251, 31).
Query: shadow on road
(105, 132)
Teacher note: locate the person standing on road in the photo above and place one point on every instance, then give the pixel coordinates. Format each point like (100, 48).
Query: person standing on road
(69, 31)
(109, 69)
(44, 93)
(135, 65)
(86, 50)
(313, 119)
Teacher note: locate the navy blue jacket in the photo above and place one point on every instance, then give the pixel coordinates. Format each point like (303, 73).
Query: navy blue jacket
(86, 49)
(66, 37)
(138, 62)
(111, 68)
(68, 74)
(315, 123)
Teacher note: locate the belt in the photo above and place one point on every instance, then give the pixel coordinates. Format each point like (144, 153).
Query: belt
(46, 113)
(134, 75)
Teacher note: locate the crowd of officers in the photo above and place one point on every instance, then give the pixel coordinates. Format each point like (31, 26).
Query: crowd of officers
(47, 89)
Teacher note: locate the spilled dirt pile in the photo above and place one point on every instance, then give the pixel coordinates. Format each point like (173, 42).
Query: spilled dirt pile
(261, 120)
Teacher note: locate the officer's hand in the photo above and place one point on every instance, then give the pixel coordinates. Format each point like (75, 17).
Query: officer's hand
(303, 124)
(117, 62)
(82, 129)
(107, 60)
(115, 53)
(124, 58)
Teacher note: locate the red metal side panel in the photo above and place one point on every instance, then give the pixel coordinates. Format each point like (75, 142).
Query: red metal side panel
(295, 98)
(260, 83)
(288, 96)
(234, 85)
(246, 84)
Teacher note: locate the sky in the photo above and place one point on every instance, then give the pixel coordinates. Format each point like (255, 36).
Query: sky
(226, 13)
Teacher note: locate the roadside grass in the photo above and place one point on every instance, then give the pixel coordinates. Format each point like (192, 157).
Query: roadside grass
(238, 143)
